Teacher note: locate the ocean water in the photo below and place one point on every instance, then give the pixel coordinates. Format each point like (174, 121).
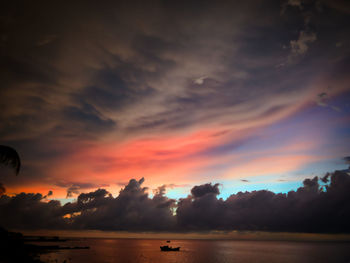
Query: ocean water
(200, 251)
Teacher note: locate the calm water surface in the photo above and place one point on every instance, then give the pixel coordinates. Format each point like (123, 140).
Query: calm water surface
(198, 251)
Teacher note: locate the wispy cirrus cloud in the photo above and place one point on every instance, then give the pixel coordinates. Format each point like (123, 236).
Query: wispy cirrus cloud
(132, 92)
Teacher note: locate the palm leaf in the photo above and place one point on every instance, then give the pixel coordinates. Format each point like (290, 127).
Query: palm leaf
(10, 157)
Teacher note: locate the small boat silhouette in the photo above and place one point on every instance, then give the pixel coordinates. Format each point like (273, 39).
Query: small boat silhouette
(167, 248)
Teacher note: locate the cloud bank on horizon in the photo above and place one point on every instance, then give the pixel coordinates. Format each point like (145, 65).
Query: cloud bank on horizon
(95, 94)
(321, 205)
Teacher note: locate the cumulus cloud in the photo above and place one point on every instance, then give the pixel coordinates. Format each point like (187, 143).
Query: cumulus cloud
(29, 211)
(201, 190)
(75, 188)
(325, 178)
(311, 208)
(131, 210)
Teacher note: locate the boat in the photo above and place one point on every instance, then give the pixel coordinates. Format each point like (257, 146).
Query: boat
(167, 248)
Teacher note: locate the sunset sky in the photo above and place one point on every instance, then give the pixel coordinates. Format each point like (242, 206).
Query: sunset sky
(248, 94)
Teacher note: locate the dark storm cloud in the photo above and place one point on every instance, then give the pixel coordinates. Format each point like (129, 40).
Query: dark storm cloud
(131, 210)
(201, 190)
(311, 208)
(28, 211)
(75, 188)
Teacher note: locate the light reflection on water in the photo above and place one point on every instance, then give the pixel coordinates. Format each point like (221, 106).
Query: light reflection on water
(198, 251)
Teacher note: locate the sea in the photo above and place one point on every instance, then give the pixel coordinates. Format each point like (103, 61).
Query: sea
(198, 251)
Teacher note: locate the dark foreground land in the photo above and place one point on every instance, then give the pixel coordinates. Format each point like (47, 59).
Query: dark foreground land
(14, 247)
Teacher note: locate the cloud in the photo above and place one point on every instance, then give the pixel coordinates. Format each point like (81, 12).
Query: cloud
(72, 190)
(310, 13)
(200, 80)
(28, 211)
(68, 90)
(162, 189)
(245, 180)
(311, 208)
(75, 188)
(46, 40)
(201, 190)
(2, 189)
(325, 179)
(322, 101)
(301, 45)
(339, 44)
(87, 118)
(296, 3)
(338, 5)
(121, 183)
(292, 3)
(131, 210)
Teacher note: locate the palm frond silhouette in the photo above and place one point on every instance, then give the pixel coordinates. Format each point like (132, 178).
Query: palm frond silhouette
(10, 157)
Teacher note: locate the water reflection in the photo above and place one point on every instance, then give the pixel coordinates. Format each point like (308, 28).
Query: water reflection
(196, 251)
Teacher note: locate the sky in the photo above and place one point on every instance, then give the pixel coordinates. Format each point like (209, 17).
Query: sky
(249, 95)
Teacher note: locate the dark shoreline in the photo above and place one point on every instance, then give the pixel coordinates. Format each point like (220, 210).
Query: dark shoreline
(15, 247)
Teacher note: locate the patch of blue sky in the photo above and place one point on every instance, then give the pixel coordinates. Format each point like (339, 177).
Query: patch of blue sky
(281, 183)
(274, 184)
(64, 200)
(321, 125)
(326, 121)
(296, 128)
(319, 168)
(178, 192)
